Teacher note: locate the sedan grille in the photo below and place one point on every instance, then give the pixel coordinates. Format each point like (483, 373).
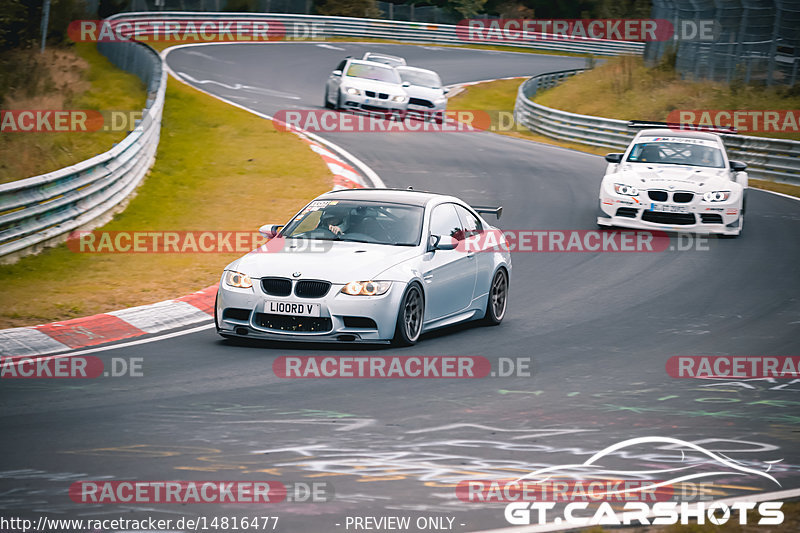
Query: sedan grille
(294, 323)
(420, 102)
(311, 288)
(276, 286)
(657, 196)
(675, 219)
(682, 197)
(383, 96)
(371, 94)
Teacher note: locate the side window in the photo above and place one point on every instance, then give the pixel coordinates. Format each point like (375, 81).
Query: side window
(341, 65)
(445, 221)
(471, 224)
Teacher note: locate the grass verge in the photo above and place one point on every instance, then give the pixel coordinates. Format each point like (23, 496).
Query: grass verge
(500, 96)
(78, 77)
(218, 168)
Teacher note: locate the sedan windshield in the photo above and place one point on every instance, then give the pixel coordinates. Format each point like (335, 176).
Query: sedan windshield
(420, 78)
(690, 152)
(373, 72)
(354, 221)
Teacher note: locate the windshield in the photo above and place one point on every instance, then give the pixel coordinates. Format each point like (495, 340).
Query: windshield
(691, 152)
(373, 72)
(354, 221)
(421, 78)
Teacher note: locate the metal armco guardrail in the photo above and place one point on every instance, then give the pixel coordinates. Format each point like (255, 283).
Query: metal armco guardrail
(41, 211)
(295, 27)
(768, 159)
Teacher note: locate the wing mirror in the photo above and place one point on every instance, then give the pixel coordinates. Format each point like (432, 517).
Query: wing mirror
(405, 84)
(614, 158)
(738, 166)
(446, 90)
(336, 73)
(270, 230)
(438, 242)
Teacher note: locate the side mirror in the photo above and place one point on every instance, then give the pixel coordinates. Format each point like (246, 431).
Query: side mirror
(446, 90)
(336, 73)
(438, 242)
(614, 158)
(738, 166)
(405, 84)
(270, 230)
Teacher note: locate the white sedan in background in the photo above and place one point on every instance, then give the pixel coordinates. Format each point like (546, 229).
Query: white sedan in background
(367, 266)
(427, 97)
(674, 180)
(366, 86)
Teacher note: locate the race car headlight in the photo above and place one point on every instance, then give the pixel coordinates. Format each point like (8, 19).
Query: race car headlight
(398, 98)
(366, 288)
(717, 196)
(353, 91)
(625, 190)
(237, 279)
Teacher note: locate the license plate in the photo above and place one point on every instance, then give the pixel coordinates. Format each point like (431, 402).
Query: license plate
(291, 308)
(669, 208)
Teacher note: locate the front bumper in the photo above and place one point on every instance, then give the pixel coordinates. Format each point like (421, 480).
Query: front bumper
(375, 104)
(723, 218)
(335, 308)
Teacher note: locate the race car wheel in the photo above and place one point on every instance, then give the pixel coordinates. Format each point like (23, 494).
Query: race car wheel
(409, 317)
(328, 105)
(498, 299)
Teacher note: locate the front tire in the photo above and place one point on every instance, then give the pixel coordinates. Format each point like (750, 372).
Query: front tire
(497, 302)
(410, 317)
(328, 104)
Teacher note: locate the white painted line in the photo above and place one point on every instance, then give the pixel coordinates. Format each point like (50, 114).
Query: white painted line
(755, 498)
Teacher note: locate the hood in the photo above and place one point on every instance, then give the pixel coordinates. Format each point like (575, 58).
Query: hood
(426, 93)
(697, 179)
(373, 85)
(334, 261)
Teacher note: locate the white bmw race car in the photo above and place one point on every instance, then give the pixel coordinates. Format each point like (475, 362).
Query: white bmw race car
(367, 265)
(674, 180)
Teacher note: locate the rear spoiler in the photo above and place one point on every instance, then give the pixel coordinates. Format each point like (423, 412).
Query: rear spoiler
(644, 124)
(485, 209)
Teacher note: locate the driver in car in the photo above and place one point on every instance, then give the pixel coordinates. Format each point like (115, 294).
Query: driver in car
(334, 220)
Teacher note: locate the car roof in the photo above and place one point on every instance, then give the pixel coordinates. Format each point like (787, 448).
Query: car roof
(409, 67)
(385, 56)
(689, 134)
(403, 196)
(371, 63)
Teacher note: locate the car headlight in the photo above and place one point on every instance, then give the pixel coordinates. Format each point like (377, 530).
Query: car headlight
(366, 288)
(353, 91)
(398, 98)
(237, 279)
(717, 196)
(625, 190)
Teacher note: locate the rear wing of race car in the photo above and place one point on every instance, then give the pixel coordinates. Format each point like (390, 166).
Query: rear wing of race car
(679, 126)
(485, 209)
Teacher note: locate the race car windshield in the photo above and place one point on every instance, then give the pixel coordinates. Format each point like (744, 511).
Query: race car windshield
(702, 154)
(373, 72)
(421, 79)
(354, 221)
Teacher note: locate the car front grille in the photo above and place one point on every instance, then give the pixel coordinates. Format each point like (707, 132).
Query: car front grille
(277, 286)
(628, 212)
(682, 197)
(658, 196)
(367, 107)
(311, 288)
(294, 323)
(710, 218)
(674, 219)
(371, 94)
(420, 102)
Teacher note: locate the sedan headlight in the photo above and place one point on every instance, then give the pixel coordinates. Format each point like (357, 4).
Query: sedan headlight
(353, 91)
(625, 190)
(399, 99)
(717, 196)
(237, 279)
(366, 288)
